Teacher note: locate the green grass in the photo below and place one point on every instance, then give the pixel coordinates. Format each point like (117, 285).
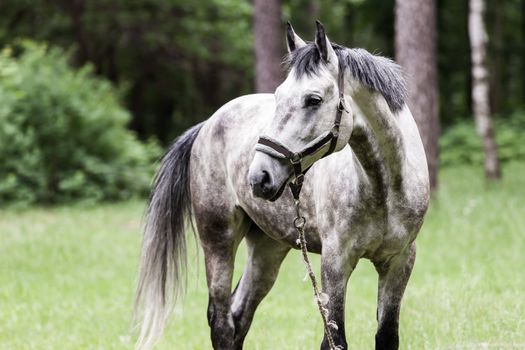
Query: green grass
(67, 279)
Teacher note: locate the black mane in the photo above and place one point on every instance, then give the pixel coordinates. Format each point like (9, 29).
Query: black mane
(378, 73)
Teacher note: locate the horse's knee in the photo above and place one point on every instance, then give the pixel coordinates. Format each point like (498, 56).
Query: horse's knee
(211, 313)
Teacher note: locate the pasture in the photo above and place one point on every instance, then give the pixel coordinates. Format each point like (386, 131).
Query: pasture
(67, 279)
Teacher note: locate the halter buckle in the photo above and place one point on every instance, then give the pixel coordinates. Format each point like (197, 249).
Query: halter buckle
(295, 158)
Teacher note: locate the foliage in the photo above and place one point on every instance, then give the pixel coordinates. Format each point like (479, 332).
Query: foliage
(63, 133)
(461, 145)
(353, 23)
(181, 59)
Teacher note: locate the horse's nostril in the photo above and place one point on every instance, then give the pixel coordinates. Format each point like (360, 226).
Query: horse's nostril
(262, 184)
(265, 180)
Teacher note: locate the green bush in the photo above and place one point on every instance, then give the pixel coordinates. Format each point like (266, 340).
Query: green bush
(63, 133)
(460, 144)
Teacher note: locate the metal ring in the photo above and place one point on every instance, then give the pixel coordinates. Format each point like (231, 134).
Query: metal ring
(299, 222)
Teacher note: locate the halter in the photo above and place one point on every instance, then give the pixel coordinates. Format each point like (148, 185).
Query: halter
(329, 139)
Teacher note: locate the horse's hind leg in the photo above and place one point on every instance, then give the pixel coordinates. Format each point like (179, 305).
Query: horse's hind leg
(220, 235)
(393, 278)
(265, 256)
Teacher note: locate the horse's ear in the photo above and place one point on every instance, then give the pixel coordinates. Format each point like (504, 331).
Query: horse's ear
(292, 40)
(323, 44)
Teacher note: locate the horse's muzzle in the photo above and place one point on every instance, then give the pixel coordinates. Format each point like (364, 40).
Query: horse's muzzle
(262, 184)
(268, 176)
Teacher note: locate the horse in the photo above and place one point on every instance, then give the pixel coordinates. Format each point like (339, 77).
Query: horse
(365, 194)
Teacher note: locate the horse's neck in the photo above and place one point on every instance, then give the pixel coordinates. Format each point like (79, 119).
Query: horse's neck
(378, 141)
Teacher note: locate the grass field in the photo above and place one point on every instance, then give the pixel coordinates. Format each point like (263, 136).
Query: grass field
(67, 279)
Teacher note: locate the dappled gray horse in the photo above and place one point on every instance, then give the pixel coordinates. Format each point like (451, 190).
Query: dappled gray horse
(366, 200)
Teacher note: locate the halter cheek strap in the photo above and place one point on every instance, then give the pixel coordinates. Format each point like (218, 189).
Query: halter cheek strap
(276, 149)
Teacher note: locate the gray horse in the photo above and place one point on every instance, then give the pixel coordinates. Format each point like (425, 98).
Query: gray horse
(366, 200)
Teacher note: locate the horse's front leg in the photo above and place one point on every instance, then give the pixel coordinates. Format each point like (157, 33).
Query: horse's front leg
(337, 263)
(393, 278)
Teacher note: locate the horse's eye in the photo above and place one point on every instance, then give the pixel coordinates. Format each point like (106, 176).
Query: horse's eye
(312, 100)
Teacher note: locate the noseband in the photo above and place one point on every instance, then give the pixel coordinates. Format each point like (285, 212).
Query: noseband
(297, 159)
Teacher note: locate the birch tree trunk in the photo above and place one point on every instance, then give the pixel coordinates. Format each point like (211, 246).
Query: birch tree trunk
(268, 37)
(415, 41)
(480, 88)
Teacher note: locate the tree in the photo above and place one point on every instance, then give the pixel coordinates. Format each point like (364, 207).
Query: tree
(176, 61)
(268, 41)
(415, 41)
(480, 88)
(64, 133)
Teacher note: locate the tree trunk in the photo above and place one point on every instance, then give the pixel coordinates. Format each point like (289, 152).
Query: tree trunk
(314, 10)
(76, 10)
(523, 49)
(480, 88)
(415, 41)
(269, 37)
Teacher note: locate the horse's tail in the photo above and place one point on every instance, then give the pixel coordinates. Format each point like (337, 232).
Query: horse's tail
(163, 258)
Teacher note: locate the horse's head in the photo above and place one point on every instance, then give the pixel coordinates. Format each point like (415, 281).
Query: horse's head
(311, 117)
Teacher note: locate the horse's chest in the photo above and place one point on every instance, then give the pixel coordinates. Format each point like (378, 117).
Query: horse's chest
(352, 217)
